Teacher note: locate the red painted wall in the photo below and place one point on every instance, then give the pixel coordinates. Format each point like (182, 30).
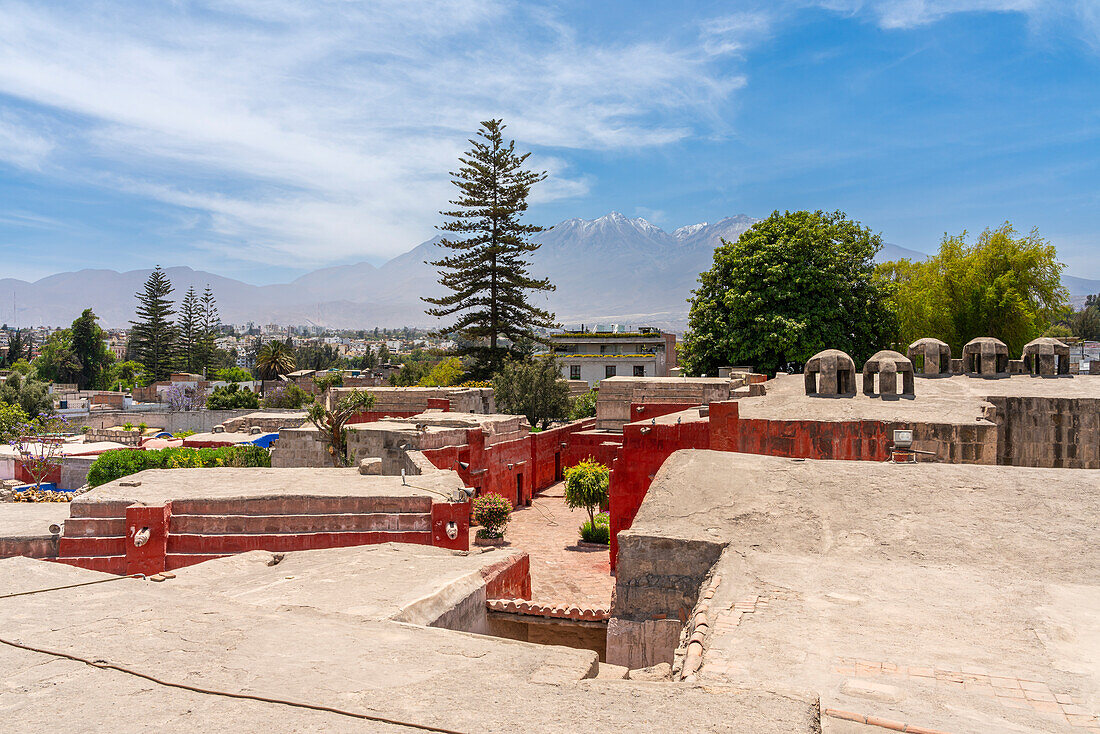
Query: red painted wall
(516, 469)
(22, 475)
(644, 449)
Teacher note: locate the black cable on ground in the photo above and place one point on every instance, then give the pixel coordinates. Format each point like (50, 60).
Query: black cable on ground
(228, 694)
(73, 586)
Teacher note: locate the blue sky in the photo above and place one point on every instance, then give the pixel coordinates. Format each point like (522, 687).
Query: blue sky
(259, 139)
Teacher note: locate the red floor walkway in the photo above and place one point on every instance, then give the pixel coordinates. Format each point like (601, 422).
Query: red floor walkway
(562, 572)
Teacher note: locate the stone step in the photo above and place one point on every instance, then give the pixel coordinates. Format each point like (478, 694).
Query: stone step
(278, 524)
(97, 546)
(228, 544)
(89, 527)
(301, 505)
(114, 508)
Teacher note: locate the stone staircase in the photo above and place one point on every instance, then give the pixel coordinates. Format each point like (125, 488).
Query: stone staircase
(95, 536)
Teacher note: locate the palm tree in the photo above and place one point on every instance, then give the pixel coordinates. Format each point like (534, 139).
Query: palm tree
(274, 358)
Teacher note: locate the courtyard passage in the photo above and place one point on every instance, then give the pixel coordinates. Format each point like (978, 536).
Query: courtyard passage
(562, 571)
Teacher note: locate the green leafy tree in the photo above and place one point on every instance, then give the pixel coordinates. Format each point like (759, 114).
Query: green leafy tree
(1086, 323)
(327, 380)
(127, 375)
(89, 346)
(534, 389)
(12, 419)
(274, 358)
(232, 397)
(584, 406)
(316, 357)
(789, 287)
(586, 486)
(1005, 286)
(153, 334)
(23, 367)
(444, 374)
(331, 422)
(233, 374)
(57, 360)
(487, 271)
(189, 332)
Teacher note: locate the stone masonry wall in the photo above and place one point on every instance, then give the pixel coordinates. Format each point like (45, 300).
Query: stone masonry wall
(1048, 432)
(617, 394)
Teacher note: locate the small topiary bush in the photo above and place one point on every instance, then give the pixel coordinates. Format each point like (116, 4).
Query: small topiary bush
(491, 512)
(586, 486)
(598, 530)
(114, 465)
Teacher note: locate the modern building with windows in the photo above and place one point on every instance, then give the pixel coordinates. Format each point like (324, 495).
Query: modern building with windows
(614, 352)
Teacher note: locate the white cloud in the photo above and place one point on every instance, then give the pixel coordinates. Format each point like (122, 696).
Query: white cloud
(732, 34)
(21, 144)
(324, 130)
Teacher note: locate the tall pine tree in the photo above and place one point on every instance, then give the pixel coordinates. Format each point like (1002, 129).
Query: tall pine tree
(188, 332)
(210, 322)
(486, 271)
(153, 336)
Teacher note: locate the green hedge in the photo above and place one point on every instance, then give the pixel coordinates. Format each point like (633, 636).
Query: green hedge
(114, 465)
(598, 532)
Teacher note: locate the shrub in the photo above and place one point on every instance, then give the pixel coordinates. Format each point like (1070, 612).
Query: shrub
(586, 486)
(114, 465)
(597, 531)
(491, 511)
(128, 426)
(584, 406)
(232, 397)
(289, 396)
(143, 426)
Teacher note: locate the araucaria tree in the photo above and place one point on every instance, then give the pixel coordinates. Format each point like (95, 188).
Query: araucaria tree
(487, 270)
(789, 287)
(189, 332)
(153, 336)
(209, 321)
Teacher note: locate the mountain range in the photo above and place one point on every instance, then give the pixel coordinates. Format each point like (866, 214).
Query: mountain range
(612, 269)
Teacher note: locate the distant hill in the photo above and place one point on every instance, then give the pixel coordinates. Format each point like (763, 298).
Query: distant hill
(611, 269)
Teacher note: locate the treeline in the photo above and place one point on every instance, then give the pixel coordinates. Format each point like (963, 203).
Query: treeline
(797, 283)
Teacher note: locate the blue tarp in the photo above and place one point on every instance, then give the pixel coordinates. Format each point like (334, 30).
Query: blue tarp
(265, 440)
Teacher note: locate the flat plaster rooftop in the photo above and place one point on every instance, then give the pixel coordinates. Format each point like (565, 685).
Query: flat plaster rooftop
(200, 638)
(957, 399)
(955, 597)
(30, 519)
(410, 583)
(161, 485)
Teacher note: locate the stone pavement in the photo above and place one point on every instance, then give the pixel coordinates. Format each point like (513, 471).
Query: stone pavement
(562, 572)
